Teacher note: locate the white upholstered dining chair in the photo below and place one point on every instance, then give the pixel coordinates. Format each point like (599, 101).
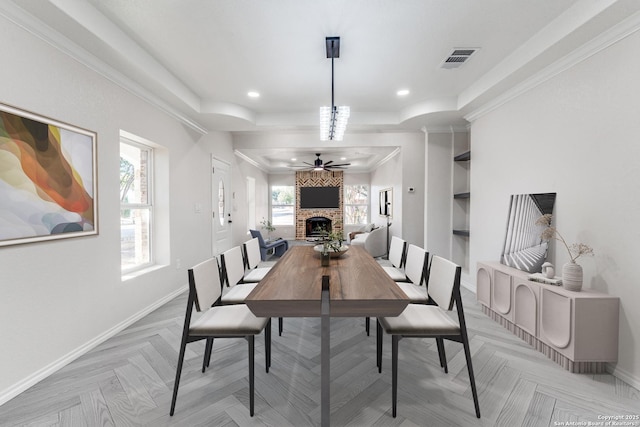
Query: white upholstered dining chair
(396, 257)
(252, 259)
(232, 276)
(254, 272)
(415, 268)
(430, 321)
(414, 271)
(218, 321)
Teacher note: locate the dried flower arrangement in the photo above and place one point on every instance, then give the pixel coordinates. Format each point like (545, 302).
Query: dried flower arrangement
(575, 251)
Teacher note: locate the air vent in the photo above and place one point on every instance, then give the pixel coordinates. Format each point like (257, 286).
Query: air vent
(458, 57)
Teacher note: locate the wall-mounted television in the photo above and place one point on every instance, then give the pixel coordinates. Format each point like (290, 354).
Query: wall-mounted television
(319, 197)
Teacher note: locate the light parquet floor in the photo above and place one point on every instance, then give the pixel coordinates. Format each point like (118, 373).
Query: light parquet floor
(127, 381)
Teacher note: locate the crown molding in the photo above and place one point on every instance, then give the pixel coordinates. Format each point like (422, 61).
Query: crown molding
(250, 161)
(592, 47)
(385, 159)
(446, 129)
(575, 17)
(28, 22)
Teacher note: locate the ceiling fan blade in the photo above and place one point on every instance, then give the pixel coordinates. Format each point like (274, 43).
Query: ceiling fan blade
(319, 165)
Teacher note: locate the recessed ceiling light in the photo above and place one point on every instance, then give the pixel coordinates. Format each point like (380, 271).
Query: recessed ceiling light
(253, 94)
(293, 159)
(402, 92)
(343, 158)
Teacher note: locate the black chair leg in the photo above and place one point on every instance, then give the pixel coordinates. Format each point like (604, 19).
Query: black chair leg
(379, 345)
(366, 325)
(472, 380)
(280, 326)
(442, 355)
(183, 346)
(394, 373)
(207, 354)
(267, 346)
(251, 339)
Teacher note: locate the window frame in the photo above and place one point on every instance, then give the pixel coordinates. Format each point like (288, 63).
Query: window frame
(149, 206)
(366, 204)
(292, 205)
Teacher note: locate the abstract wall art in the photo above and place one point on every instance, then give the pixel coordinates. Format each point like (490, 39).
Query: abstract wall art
(386, 202)
(47, 179)
(524, 247)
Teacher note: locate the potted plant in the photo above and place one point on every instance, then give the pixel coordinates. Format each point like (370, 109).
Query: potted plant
(571, 271)
(267, 225)
(333, 242)
(331, 247)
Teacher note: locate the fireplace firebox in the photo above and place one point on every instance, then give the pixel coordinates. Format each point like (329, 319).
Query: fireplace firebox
(317, 226)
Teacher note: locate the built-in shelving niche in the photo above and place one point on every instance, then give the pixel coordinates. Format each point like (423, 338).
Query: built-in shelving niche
(462, 157)
(461, 200)
(462, 177)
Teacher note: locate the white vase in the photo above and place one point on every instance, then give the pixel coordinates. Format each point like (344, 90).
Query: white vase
(548, 271)
(572, 276)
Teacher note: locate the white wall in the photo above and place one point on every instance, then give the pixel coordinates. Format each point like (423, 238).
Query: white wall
(577, 135)
(439, 163)
(242, 170)
(406, 168)
(58, 298)
(413, 173)
(387, 176)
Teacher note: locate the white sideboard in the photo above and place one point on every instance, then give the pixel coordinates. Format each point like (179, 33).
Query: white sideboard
(578, 330)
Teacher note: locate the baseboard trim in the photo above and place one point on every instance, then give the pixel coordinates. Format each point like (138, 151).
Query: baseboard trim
(467, 285)
(21, 386)
(623, 375)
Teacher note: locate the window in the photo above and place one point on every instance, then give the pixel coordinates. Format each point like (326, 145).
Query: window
(282, 204)
(356, 204)
(136, 205)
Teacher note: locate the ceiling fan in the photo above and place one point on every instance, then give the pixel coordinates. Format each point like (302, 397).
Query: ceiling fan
(318, 165)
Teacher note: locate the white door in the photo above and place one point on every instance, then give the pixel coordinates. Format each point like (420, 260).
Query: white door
(221, 210)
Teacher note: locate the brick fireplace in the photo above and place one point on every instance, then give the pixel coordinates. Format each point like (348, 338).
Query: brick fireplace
(318, 179)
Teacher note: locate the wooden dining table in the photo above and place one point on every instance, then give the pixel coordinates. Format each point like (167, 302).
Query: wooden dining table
(353, 285)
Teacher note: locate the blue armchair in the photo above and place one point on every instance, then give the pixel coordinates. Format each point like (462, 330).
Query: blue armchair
(279, 246)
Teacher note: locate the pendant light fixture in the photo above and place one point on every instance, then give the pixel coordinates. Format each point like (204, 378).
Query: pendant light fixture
(333, 120)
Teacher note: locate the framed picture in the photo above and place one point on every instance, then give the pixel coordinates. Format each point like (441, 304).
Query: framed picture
(386, 202)
(524, 247)
(47, 179)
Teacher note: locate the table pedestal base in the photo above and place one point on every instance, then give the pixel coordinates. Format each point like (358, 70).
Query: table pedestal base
(325, 356)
